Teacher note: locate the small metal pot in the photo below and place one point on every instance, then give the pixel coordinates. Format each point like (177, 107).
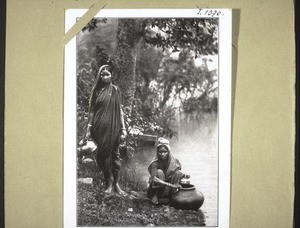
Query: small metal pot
(87, 147)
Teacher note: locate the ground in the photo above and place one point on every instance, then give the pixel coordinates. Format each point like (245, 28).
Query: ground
(95, 208)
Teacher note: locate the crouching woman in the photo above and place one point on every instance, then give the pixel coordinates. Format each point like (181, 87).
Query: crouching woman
(165, 174)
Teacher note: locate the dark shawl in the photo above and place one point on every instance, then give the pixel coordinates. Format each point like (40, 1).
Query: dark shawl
(169, 167)
(105, 103)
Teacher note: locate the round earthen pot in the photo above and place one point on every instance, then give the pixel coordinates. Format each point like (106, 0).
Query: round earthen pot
(187, 198)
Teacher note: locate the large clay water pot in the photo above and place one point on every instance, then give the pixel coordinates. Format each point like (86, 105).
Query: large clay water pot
(187, 198)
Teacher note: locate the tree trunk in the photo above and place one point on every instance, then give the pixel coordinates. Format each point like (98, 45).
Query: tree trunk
(128, 37)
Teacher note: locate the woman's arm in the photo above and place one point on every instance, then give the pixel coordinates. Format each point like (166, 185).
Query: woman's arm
(123, 128)
(122, 120)
(160, 182)
(89, 126)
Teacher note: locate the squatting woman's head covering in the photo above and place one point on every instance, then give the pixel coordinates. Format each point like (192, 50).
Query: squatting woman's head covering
(162, 142)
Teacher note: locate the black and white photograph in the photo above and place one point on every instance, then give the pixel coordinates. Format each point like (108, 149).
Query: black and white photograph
(147, 111)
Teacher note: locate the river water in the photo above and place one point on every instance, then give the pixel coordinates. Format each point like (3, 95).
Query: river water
(198, 154)
(196, 147)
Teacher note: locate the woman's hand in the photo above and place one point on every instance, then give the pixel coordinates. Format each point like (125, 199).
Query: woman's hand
(88, 135)
(123, 135)
(175, 186)
(186, 176)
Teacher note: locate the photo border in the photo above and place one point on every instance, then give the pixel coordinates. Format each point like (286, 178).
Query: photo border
(224, 104)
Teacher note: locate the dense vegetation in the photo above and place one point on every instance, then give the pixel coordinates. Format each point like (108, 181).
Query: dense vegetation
(154, 65)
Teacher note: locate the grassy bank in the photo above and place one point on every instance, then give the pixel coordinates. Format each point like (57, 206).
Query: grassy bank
(94, 208)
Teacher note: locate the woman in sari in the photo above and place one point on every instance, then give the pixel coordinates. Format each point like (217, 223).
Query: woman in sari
(106, 127)
(165, 172)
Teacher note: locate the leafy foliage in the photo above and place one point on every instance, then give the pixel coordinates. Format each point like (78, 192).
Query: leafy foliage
(164, 88)
(200, 35)
(94, 24)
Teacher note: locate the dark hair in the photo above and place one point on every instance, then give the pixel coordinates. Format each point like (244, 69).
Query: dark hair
(108, 68)
(162, 145)
(104, 67)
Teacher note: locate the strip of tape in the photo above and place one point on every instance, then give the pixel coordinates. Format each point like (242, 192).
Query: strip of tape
(84, 20)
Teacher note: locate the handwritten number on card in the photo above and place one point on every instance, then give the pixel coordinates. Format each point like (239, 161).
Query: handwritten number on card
(209, 13)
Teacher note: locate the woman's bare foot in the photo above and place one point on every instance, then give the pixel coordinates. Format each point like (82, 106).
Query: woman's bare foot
(119, 190)
(109, 187)
(154, 199)
(108, 190)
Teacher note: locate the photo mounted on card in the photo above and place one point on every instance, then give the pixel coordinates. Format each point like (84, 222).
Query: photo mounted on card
(147, 118)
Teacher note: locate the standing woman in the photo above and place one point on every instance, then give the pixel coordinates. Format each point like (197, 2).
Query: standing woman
(106, 127)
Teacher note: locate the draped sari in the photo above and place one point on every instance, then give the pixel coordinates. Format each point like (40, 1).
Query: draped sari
(105, 103)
